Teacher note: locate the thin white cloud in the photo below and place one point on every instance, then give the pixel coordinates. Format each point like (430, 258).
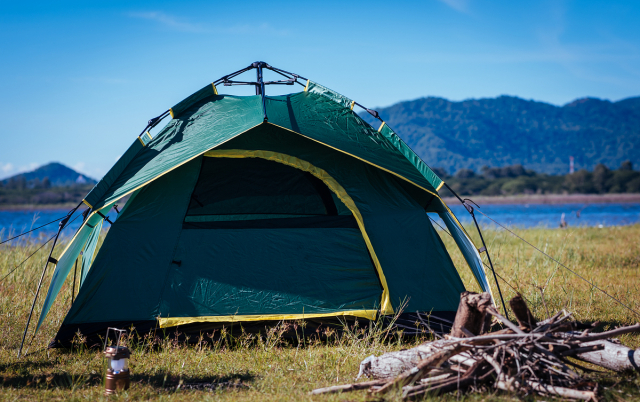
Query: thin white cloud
(261, 29)
(568, 54)
(100, 80)
(6, 167)
(579, 60)
(79, 167)
(458, 5)
(181, 24)
(170, 21)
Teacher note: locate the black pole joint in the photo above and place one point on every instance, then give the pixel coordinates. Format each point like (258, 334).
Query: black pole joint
(259, 65)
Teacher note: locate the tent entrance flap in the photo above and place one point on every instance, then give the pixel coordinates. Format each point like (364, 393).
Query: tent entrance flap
(337, 191)
(309, 259)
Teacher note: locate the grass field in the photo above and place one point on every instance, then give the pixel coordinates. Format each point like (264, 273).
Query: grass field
(250, 368)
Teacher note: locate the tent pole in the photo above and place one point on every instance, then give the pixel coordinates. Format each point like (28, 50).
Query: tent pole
(46, 264)
(260, 85)
(73, 288)
(469, 208)
(486, 250)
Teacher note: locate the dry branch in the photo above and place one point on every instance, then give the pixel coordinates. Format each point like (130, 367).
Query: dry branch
(525, 359)
(347, 387)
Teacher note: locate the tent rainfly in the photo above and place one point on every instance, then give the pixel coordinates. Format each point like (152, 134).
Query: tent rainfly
(258, 209)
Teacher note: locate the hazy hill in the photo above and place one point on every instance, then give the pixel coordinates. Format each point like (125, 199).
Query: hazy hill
(508, 130)
(56, 174)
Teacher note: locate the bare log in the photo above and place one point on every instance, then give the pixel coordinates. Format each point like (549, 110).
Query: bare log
(423, 368)
(613, 356)
(522, 312)
(392, 364)
(471, 314)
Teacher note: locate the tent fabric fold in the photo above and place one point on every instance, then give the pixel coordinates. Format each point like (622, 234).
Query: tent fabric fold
(468, 249)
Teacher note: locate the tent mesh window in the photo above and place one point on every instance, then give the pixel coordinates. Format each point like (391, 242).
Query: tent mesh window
(256, 193)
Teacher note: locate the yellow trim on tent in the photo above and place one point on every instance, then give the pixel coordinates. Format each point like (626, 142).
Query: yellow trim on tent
(175, 321)
(333, 186)
(353, 103)
(87, 204)
(215, 90)
(388, 171)
(141, 142)
(77, 233)
(306, 87)
(171, 113)
(359, 158)
(440, 186)
(177, 166)
(381, 125)
(149, 135)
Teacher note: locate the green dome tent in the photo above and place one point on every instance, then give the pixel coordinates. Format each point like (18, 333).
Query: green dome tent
(260, 209)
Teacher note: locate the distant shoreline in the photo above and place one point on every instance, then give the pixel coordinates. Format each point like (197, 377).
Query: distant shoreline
(551, 199)
(36, 207)
(486, 200)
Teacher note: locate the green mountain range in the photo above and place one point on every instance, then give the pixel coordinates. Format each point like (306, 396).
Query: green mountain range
(508, 130)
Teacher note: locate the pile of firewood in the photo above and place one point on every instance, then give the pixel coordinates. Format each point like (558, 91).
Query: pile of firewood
(529, 358)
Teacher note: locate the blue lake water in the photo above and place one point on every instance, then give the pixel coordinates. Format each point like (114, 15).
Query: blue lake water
(550, 215)
(519, 215)
(16, 222)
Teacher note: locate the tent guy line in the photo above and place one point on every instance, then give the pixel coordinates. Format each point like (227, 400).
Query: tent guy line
(561, 264)
(32, 230)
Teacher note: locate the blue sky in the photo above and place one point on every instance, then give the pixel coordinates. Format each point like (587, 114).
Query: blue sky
(79, 80)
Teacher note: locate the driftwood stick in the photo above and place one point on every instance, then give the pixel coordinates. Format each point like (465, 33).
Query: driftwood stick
(436, 378)
(608, 334)
(447, 386)
(347, 387)
(510, 384)
(471, 314)
(522, 312)
(506, 322)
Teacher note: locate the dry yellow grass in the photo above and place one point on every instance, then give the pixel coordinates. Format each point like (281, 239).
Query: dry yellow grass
(274, 370)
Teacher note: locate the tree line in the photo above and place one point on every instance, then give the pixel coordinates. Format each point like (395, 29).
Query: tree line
(19, 191)
(20, 183)
(515, 179)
